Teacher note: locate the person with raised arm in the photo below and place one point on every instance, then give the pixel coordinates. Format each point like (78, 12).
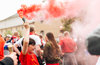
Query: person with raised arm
(27, 56)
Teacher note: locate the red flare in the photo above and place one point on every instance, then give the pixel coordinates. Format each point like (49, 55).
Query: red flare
(24, 11)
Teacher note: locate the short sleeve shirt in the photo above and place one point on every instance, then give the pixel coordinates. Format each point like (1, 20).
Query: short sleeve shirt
(28, 59)
(68, 45)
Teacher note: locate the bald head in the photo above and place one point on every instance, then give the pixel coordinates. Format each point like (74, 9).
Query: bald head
(66, 33)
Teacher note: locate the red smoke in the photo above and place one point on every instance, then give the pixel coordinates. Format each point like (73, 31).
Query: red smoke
(28, 12)
(52, 9)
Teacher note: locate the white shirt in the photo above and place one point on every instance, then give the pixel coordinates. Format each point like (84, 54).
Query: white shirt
(35, 37)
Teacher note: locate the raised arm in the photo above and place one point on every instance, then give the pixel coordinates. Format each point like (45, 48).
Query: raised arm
(26, 38)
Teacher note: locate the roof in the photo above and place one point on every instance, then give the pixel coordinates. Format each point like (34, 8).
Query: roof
(12, 21)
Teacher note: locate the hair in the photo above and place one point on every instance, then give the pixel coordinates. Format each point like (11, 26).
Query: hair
(61, 31)
(66, 33)
(40, 36)
(16, 33)
(31, 41)
(51, 38)
(6, 37)
(42, 31)
(32, 29)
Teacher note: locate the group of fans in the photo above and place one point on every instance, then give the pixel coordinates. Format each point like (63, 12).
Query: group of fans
(32, 49)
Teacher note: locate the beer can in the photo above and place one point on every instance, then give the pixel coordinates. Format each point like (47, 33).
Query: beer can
(10, 48)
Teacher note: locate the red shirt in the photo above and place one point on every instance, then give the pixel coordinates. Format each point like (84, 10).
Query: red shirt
(53, 64)
(28, 59)
(2, 42)
(31, 33)
(68, 45)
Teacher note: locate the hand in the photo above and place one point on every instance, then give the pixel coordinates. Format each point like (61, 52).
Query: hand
(26, 25)
(62, 54)
(14, 57)
(38, 50)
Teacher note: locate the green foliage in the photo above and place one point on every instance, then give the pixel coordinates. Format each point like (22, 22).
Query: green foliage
(67, 24)
(20, 33)
(8, 32)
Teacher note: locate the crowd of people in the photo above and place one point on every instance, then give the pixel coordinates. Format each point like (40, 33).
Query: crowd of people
(33, 49)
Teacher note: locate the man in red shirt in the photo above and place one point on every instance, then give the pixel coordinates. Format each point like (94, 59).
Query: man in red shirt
(68, 47)
(27, 56)
(2, 42)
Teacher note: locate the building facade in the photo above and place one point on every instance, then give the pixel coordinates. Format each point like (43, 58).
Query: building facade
(14, 23)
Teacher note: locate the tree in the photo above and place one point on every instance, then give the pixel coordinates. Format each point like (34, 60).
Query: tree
(20, 33)
(67, 24)
(8, 32)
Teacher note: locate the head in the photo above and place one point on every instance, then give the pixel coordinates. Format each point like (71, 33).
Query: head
(40, 36)
(42, 32)
(66, 33)
(49, 36)
(32, 30)
(31, 45)
(7, 38)
(55, 47)
(15, 33)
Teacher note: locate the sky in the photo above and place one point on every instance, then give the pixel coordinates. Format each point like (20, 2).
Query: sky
(10, 7)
